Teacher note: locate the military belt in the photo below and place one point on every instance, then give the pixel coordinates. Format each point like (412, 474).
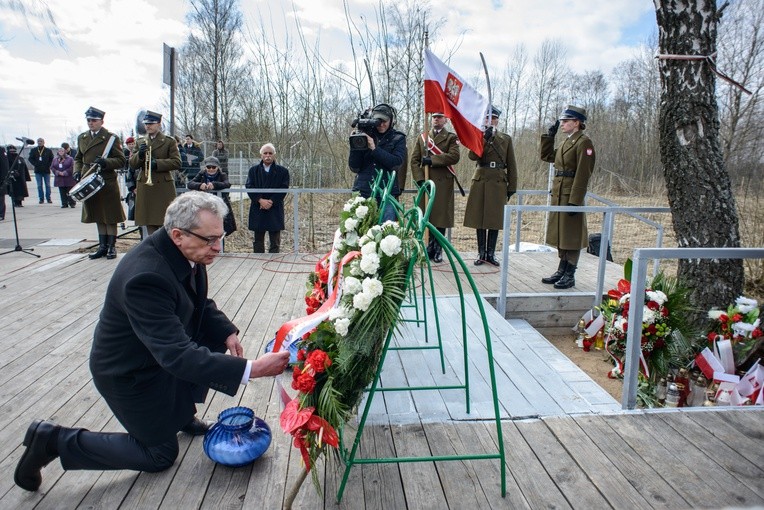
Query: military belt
(565, 173)
(493, 164)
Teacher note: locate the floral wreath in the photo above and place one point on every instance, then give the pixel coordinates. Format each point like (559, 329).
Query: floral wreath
(352, 300)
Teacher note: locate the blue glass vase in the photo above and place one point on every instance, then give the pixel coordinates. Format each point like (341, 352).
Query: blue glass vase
(238, 437)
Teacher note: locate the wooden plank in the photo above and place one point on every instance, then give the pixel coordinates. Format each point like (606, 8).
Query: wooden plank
(421, 483)
(570, 479)
(630, 464)
(586, 453)
(529, 470)
(643, 437)
(382, 484)
(751, 474)
(707, 456)
(729, 426)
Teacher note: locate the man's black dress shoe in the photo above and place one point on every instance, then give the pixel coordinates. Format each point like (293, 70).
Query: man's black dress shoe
(197, 427)
(36, 456)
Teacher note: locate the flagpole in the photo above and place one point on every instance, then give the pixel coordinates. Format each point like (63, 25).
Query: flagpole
(426, 134)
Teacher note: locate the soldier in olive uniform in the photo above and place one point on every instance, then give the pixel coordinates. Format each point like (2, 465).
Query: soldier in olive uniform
(493, 183)
(105, 207)
(573, 164)
(152, 199)
(441, 153)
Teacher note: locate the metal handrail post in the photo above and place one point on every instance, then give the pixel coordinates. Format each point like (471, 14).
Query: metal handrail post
(637, 301)
(296, 221)
(502, 303)
(607, 228)
(519, 223)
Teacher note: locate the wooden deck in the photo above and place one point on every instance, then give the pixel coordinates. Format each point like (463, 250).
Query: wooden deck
(577, 451)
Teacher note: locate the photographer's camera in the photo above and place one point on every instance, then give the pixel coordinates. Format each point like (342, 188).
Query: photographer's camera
(363, 125)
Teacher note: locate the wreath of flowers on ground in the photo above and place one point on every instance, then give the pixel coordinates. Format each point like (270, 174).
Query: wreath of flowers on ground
(338, 360)
(665, 337)
(740, 323)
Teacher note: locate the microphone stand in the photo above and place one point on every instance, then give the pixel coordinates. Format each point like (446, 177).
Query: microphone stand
(13, 207)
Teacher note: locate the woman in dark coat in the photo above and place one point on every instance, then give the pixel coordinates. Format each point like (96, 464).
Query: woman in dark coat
(19, 175)
(62, 169)
(212, 179)
(266, 211)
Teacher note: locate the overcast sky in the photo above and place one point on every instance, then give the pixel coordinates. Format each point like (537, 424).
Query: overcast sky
(112, 57)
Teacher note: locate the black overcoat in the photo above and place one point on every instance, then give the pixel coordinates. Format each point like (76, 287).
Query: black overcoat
(158, 346)
(267, 219)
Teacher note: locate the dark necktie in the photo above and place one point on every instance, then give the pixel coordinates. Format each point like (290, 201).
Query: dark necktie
(194, 275)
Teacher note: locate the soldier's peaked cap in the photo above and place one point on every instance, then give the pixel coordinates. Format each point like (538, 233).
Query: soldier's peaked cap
(574, 113)
(94, 113)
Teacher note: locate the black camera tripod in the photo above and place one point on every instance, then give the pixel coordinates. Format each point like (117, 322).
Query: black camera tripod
(13, 207)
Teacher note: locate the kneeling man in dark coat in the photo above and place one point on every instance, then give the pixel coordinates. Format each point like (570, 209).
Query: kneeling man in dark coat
(159, 345)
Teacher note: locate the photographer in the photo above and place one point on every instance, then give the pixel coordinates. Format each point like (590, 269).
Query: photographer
(385, 149)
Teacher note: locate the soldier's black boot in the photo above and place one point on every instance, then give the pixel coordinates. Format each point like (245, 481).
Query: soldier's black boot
(557, 274)
(102, 249)
(431, 244)
(437, 256)
(568, 279)
(111, 247)
(490, 247)
(480, 260)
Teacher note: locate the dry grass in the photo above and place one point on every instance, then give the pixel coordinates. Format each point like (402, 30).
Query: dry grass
(319, 216)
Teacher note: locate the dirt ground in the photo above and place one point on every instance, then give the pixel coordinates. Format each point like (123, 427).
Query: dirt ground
(595, 363)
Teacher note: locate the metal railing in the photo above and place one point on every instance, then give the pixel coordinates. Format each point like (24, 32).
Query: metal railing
(609, 213)
(637, 301)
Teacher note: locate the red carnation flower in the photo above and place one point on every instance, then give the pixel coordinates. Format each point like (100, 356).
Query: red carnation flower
(319, 360)
(723, 318)
(304, 383)
(652, 305)
(756, 333)
(737, 317)
(301, 355)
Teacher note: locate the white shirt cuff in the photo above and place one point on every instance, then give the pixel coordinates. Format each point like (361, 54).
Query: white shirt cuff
(247, 371)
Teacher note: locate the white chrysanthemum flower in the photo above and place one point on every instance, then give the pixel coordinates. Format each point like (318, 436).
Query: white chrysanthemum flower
(390, 245)
(372, 287)
(373, 231)
(350, 224)
(355, 268)
(649, 316)
(715, 314)
(361, 211)
(362, 301)
(370, 263)
(359, 200)
(351, 239)
(341, 326)
(657, 296)
(624, 298)
(742, 328)
(347, 207)
(619, 324)
(745, 304)
(352, 285)
(389, 223)
(367, 248)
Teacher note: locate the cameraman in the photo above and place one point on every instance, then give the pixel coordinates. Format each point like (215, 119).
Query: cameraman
(386, 150)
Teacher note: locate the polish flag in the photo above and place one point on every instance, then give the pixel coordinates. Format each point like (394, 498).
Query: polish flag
(447, 93)
(708, 363)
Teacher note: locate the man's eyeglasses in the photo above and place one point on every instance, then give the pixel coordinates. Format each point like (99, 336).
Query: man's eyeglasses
(209, 167)
(208, 240)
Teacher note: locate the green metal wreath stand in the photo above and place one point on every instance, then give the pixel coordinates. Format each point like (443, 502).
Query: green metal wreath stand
(417, 220)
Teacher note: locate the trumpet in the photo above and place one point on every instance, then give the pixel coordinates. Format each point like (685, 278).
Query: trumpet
(147, 167)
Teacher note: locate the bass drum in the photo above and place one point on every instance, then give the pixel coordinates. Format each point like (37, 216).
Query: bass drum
(87, 187)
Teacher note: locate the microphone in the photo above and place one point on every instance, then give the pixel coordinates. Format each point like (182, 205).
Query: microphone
(25, 140)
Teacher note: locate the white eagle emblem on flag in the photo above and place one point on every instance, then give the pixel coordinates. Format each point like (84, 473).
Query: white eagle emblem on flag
(453, 88)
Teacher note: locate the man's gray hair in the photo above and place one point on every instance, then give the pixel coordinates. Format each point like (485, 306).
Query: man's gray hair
(268, 146)
(184, 211)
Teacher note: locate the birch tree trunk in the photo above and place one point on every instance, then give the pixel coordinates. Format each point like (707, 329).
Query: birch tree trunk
(699, 190)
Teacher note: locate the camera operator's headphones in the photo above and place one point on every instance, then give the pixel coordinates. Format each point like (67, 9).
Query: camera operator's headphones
(386, 110)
